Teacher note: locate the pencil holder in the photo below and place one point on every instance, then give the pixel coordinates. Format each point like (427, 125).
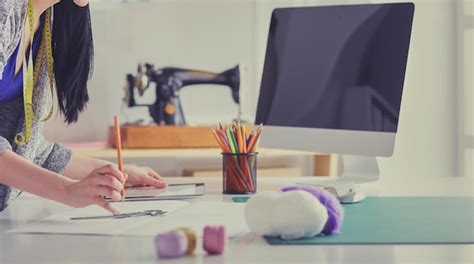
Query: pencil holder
(239, 173)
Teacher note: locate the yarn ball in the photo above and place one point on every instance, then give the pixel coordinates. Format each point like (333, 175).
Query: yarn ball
(332, 204)
(289, 215)
(171, 244)
(214, 239)
(259, 212)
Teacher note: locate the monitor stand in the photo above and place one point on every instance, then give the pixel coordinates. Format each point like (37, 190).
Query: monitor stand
(359, 169)
(353, 170)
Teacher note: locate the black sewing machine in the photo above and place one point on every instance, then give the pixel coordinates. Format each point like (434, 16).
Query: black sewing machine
(167, 109)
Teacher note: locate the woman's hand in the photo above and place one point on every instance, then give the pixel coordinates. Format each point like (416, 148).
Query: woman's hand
(143, 176)
(105, 181)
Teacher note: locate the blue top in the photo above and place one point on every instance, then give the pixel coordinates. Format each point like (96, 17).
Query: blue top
(11, 85)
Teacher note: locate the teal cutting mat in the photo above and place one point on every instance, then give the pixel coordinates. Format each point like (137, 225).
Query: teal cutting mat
(400, 220)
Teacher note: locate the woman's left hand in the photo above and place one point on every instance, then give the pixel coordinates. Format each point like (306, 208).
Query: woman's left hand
(143, 176)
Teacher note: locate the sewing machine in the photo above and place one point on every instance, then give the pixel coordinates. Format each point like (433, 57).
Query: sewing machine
(167, 109)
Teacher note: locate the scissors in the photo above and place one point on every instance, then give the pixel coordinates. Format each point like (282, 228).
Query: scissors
(121, 216)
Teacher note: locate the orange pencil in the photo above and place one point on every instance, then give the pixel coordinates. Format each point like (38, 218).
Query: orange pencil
(244, 133)
(254, 141)
(219, 141)
(118, 145)
(240, 139)
(257, 142)
(253, 138)
(257, 139)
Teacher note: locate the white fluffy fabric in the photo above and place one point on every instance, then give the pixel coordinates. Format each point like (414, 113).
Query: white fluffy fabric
(289, 215)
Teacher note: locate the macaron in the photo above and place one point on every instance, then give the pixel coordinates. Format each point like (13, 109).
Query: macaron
(173, 244)
(214, 239)
(191, 238)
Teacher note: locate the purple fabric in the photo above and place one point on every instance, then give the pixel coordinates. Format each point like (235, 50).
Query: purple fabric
(335, 210)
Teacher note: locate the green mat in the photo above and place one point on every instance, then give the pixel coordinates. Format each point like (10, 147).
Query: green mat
(400, 220)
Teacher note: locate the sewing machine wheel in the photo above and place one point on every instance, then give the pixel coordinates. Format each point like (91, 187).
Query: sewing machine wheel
(170, 109)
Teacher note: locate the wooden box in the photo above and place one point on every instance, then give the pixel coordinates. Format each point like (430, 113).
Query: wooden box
(140, 137)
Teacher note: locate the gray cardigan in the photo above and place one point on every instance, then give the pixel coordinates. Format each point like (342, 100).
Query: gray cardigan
(50, 156)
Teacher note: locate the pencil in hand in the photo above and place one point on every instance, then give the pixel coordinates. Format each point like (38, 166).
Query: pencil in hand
(118, 145)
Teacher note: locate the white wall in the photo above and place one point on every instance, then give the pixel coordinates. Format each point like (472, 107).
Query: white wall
(426, 141)
(465, 67)
(216, 34)
(212, 35)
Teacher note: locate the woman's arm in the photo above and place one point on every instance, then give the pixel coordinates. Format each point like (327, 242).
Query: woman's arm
(79, 166)
(24, 175)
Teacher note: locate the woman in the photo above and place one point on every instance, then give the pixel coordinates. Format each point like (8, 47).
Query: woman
(27, 161)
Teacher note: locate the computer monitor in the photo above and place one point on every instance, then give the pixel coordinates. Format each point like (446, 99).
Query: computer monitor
(333, 78)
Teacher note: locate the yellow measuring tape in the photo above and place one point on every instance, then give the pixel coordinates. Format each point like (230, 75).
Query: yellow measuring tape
(31, 73)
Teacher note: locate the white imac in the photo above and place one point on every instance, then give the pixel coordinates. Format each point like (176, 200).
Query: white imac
(333, 81)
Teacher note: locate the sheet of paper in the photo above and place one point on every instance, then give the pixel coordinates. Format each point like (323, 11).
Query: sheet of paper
(197, 216)
(194, 215)
(62, 223)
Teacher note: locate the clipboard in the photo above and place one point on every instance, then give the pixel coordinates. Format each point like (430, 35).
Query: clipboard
(172, 192)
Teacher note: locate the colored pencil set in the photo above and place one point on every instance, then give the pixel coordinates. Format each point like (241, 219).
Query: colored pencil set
(239, 152)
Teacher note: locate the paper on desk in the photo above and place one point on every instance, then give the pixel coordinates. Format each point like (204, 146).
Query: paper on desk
(197, 216)
(62, 224)
(181, 214)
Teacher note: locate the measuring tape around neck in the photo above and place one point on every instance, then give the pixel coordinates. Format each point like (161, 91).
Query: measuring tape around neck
(31, 73)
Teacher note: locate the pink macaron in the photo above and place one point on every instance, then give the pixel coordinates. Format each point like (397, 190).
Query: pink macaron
(173, 244)
(214, 239)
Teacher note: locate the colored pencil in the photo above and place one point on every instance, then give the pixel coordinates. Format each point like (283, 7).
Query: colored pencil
(244, 138)
(231, 141)
(118, 145)
(234, 141)
(251, 143)
(219, 140)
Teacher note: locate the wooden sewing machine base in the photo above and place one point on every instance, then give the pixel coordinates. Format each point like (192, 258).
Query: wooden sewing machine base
(142, 137)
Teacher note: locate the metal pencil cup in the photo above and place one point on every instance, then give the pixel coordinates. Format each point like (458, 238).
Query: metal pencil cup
(239, 173)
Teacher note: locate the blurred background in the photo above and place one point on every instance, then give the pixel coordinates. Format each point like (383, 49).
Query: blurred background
(435, 135)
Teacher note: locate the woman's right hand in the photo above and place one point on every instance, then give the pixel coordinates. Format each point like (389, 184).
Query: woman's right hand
(105, 181)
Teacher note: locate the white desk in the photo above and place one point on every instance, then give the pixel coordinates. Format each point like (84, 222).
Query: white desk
(23, 248)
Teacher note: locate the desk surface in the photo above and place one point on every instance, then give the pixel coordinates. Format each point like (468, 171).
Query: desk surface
(248, 248)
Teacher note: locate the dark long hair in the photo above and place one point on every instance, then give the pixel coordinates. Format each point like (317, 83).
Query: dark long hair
(73, 53)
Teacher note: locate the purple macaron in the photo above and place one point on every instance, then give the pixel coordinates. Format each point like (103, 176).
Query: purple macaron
(332, 204)
(215, 239)
(173, 244)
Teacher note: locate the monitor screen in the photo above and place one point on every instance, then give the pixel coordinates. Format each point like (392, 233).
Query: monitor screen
(336, 67)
